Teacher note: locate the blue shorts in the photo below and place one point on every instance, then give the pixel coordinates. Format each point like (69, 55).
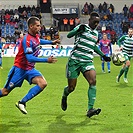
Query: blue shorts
(17, 75)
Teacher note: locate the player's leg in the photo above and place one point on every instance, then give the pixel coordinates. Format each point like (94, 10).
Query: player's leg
(108, 66)
(34, 91)
(34, 77)
(122, 69)
(102, 65)
(14, 79)
(126, 71)
(67, 90)
(90, 76)
(72, 80)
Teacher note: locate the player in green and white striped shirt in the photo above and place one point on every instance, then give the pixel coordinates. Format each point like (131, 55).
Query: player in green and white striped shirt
(127, 50)
(81, 60)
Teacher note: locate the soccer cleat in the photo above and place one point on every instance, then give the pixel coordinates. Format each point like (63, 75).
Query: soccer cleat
(108, 71)
(103, 71)
(125, 80)
(93, 111)
(21, 107)
(117, 79)
(64, 103)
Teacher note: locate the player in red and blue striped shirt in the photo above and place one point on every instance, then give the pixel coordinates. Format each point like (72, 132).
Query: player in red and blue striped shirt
(24, 65)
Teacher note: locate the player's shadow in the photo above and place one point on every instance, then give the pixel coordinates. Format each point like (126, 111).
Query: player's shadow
(61, 126)
(121, 85)
(4, 128)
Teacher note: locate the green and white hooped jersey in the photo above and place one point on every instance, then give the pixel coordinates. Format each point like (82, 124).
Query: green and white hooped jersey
(127, 45)
(84, 44)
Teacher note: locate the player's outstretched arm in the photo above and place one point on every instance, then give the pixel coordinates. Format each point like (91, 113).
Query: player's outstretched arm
(34, 59)
(52, 59)
(44, 42)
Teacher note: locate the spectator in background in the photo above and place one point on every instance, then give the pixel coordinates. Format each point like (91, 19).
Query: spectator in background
(7, 18)
(86, 9)
(91, 8)
(71, 23)
(111, 7)
(18, 41)
(113, 36)
(125, 26)
(65, 23)
(125, 10)
(77, 21)
(100, 8)
(131, 9)
(105, 7)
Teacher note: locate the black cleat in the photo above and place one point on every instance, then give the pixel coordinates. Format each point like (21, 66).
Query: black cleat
(92, 112)
(64, 103)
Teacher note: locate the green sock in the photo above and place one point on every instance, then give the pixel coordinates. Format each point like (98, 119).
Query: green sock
(66, 92)
(91, 96)
(121, 72)
(126, 71)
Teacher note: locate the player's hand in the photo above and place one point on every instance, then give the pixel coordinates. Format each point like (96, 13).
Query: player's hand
(52, 59)
(121, 48)
(106, 58)
(56, 41)
(81, 28)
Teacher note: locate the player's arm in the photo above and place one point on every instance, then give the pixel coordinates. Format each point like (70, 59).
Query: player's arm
(32, 58)
(119, 42)
(44, 42)
(27, 46)
(77, 30)
(98, 51)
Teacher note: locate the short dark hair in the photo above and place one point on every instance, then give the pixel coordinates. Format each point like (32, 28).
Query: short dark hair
(94, 14)
(32, 20)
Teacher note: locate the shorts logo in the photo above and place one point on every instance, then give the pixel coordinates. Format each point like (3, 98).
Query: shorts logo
(11, 84)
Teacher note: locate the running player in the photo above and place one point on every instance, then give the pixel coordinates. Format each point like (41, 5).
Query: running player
(81, 60)
(24, 64)
(127, 50)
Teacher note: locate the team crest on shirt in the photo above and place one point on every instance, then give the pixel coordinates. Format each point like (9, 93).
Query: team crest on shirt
(29, 50)
(11, 84)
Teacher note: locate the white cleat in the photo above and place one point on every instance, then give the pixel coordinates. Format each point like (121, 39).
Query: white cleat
(117, 79)
(125, 80)
(21, 107)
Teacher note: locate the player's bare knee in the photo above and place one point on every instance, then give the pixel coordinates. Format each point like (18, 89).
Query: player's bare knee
(5, 92)
(43, 85)
(92, 82)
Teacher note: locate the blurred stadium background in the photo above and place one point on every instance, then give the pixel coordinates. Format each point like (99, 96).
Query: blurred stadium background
(58, 17)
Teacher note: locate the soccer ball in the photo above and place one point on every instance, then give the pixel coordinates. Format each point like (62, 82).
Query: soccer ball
(118, 59)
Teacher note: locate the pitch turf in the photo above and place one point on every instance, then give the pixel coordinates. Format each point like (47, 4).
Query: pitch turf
(44, 112)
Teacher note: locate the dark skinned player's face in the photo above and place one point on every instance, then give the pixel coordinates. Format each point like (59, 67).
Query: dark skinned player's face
(93, 22)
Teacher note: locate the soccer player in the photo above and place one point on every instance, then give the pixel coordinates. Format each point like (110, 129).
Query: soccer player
(1, 50)
(81, 60)
(105, 47)
(24, 64)
(18, 42)
(127, 50)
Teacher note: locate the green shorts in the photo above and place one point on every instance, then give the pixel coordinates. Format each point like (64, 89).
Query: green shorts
(127, 57)
(74, 67)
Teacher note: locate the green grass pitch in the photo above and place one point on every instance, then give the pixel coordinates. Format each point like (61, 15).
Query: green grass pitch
(44, 111)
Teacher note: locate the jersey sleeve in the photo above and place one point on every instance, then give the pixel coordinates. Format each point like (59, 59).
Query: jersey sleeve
(120, 40)
(73, 32)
